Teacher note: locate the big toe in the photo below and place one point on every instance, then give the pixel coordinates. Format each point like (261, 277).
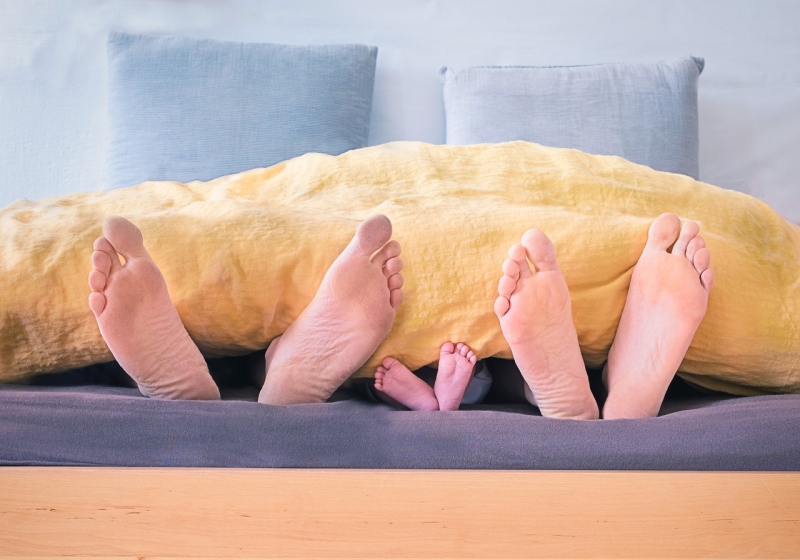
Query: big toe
(447, 348)
(125, 237)
(373, 234)
(540, 250)
(663, 232)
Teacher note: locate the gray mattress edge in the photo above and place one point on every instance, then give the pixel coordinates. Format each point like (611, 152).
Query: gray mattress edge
(115, 426)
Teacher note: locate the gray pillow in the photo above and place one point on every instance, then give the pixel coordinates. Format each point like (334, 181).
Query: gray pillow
(185, 109)
(646, 113)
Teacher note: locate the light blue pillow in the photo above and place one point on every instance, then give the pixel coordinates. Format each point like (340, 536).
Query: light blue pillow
(185, 109)
(646, 113)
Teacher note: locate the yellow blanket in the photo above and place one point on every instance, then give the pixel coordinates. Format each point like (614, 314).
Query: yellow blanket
(244, 254)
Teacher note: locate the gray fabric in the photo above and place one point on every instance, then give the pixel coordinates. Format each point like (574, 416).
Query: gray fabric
(479, 385)
(644, 112)
(93, 425)
(182, 109)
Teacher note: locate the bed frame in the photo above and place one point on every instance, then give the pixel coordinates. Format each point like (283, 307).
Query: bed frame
(235, 513)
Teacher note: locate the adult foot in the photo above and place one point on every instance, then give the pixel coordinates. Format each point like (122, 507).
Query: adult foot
(666, 302)
(398, 382)
(138, 321)
(344, 324)
(456, 363)
(535, 315)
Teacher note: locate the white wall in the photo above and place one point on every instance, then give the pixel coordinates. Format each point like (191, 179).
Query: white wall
(53, 78)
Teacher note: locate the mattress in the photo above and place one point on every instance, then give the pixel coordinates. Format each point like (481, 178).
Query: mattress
(89, 417)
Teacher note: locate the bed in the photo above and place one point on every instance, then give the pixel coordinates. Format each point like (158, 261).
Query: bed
(90, 467)
(713, 475)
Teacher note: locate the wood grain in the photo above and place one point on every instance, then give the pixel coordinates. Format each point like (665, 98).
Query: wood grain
(235, 513)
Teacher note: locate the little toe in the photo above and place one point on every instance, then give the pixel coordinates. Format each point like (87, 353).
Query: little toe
(97, 302)
(372, 234)
(501, 306)
(689, 231)
(396, 298)
(663, 232)
(392, 266)
(540, 250)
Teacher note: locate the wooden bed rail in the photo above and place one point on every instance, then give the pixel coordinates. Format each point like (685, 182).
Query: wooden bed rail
(234, 513)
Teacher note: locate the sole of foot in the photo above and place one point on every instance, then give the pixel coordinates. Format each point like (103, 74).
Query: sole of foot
(138, 321)
(399, 383)
(456, 365)
(350, 315)
(665, 305)
(535, 315)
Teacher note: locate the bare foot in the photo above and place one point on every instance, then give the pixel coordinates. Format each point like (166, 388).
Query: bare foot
(666, 302)
(344, 324)
(535, 314)
(398, 382)
(138, 321)
(455, 370)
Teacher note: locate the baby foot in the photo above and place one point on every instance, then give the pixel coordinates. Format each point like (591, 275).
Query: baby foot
(666, 302)
(455, 370)
(397, 381)
(344, 324)
(138, 321)
(535, 315)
